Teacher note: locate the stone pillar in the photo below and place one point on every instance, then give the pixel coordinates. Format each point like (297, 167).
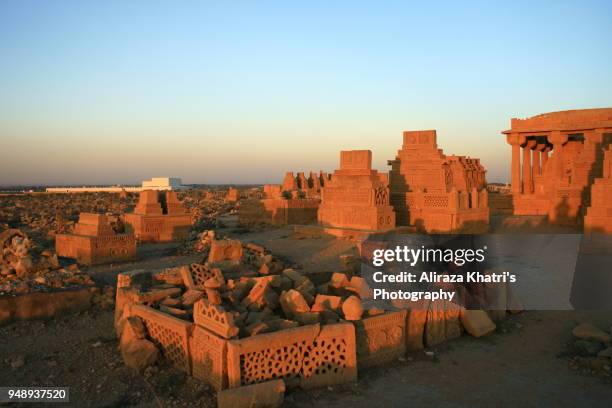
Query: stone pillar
(545, 156)
(558, 139)
(527, 171)
(592, 139)
(515, 139)
(537, 152)
(474, 198)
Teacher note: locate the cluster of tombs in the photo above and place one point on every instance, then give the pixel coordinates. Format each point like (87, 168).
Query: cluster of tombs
(564, 175)
(159, 216)
(242, 319)
(425, 189)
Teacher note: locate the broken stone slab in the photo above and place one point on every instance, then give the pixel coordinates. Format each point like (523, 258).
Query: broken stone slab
(240, 290)
(139, 354)
(477, 322)
(156, 295)
(172, 302)
(269, 394)
(292, 302)
(174, 311)
(191, 296)
(352, 308)
(326, 302)
(133, 329)
(588, 331)
(359, 286)
(257, 328)
(338, 280)
(169, 275)
(225, 250)
(294, 275)
(259, 249)
(212, 287)
(260, 296)
(187, 277)
(281, 324)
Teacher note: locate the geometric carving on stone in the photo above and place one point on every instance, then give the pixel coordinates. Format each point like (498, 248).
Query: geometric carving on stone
(381, 339)
(168, 333)
(209, 358)
(356, 196)
(268, 356)
(433, 191)
(214, 318)
(201, 273)
(312, 355)
(94, 241)
(331, 358)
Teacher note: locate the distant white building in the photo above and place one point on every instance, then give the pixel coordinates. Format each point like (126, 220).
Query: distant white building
(163, 183)
(156, 183)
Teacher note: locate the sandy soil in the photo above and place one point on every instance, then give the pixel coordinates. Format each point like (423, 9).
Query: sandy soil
(519, 365)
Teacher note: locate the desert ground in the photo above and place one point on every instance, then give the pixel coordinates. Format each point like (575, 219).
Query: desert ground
(528, 361)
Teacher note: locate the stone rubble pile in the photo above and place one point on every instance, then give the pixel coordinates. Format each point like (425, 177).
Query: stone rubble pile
(205, 207)
(42, 216)
(23, 269)
(252, 325)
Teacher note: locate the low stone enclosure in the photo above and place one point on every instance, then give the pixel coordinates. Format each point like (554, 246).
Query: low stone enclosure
(231, 329)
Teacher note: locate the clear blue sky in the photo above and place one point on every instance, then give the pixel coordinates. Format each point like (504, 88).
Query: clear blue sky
(240, 92)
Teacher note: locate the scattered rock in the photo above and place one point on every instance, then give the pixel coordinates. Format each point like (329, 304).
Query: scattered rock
(17, 362)
(476, 322)
(352, 308)
(587, 331)
(139, 354)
